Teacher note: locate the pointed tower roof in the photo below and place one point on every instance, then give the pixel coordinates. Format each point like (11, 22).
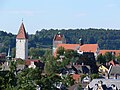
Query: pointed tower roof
(22, 33)
(9, 53)
(58, 37)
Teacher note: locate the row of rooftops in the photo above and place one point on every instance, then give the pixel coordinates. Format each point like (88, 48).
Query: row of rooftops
(58, 37)
(81, 47)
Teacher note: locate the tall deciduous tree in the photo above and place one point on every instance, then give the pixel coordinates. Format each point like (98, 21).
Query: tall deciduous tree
(60, 51)
(109, 56)
(28, 79)
(101, 59)
(50, 65)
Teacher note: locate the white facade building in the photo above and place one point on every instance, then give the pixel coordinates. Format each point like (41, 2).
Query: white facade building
(22, 43)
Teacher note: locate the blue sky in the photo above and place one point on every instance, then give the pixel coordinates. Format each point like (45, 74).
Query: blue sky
(58, 14)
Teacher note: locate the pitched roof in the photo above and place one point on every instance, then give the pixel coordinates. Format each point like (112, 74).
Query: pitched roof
(89, 47)
(58, 37)
(68, 46)
(22, 33)
(84, 47)
(116, 52)
(114, 70)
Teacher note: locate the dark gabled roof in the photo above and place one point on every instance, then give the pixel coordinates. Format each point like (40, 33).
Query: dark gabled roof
(114, 70)
(22, 33)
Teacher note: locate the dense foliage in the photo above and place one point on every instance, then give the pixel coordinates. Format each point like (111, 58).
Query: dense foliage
(31, 79)
(106, 38)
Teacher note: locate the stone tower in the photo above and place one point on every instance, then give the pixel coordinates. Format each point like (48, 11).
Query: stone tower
(22, 43)
(58, 39)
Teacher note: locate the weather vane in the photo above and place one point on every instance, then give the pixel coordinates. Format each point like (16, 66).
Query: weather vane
(22, 19)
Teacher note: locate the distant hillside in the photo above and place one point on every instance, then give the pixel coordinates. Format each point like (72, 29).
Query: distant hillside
(107, 39)
(6, 39)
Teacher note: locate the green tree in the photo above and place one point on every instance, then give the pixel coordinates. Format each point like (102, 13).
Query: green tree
(46, 54)
(60, 51)
(48, 81)
(79, 86)
(118, 58)
(10, 77)
(109, 56)
(28, 79)
(94, 76)
(13, 52)
(72, 55)
(2, 85)
(101, 59)
(49, 65)
(68, 80)
(36, 53)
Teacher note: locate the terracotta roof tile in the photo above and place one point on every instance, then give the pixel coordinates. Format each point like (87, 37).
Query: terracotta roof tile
(84, 47)
(58, 37)
(116, 52)
(89, 47)
(76, 77)
(69, 46)
(22, 33)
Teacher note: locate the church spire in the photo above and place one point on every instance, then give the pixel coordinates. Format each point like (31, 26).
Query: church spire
(9, 53)
(22, 33)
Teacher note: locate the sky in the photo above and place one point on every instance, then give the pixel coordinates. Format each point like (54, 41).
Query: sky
(58, 14)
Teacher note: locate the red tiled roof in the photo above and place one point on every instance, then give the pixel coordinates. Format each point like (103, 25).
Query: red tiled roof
(84, 47)
(58, 37)
(89, 47)
(76, 77)
(68, 46)
(116, 52)
(22, 33)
